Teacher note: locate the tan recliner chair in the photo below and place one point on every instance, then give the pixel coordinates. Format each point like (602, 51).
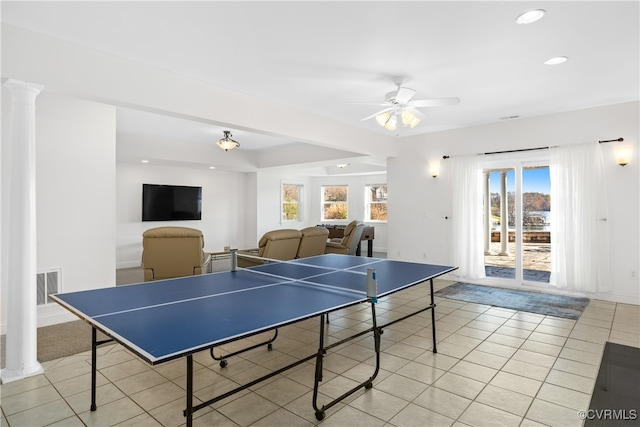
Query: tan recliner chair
(349, 242)
(313, 242)
(169, 252)
(276, 244)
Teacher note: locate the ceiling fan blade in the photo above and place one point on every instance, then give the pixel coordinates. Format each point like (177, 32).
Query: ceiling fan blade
(404, 95)
(435, 102)
(417, 113)
(379, 104)
(375, 114)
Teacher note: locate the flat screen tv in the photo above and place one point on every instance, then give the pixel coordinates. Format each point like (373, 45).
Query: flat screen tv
(171, 202)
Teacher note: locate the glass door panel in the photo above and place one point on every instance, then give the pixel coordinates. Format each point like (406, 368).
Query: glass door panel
(536, 236)
(500, 248)
(517, 206)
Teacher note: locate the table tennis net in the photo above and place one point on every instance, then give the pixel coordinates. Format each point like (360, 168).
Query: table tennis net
(277, 269)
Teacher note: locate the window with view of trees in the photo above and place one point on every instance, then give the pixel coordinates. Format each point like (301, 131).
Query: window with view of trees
(375, 196)
(291, 202)
(334, 202)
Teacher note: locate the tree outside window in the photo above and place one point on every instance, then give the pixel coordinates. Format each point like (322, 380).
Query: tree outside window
(291, 202)
(375, 202)
(334, 202)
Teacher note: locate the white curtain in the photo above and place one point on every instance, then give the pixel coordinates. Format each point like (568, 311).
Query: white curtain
(579, 227)
(467, 212)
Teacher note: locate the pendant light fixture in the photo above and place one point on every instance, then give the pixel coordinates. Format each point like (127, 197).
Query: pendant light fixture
(226, 143)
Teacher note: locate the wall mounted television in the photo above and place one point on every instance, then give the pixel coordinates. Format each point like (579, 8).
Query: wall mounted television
(171, 203)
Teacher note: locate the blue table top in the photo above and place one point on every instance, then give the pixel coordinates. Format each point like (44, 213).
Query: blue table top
(166, 319)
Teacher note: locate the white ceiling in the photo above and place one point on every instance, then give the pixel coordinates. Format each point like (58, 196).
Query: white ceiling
(319, 56)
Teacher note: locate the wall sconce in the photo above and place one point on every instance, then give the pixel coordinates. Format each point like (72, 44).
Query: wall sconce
(434, 169)
(623, 154)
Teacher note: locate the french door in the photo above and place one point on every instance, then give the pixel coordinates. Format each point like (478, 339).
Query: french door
(517, 206)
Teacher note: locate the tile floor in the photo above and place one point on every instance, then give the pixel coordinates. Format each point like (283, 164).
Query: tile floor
(493, 367)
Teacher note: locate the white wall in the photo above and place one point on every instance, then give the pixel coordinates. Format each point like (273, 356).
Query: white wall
(226, 218)
(75, 194)
(268, 203)
(415, 192)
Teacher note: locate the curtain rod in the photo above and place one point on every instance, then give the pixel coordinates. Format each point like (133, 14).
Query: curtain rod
(537, 148)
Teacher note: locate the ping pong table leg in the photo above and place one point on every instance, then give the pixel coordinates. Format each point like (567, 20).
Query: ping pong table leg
(189, 410)
(377, 332)
(223, 358)
(433, 316)
(318, 377)
(94, 360)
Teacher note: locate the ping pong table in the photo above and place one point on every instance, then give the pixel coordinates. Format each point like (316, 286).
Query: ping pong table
(170, 319)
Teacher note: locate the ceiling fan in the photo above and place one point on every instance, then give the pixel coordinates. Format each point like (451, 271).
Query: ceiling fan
(400, 106)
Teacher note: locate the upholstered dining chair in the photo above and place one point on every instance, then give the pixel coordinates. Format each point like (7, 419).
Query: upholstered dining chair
(169, 252)
(348, 244)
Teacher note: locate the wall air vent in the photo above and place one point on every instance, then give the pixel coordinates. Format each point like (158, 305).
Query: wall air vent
(48, 282)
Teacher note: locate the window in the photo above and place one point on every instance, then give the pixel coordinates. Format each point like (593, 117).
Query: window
(292, 202)
(375, 202)
(334, 202)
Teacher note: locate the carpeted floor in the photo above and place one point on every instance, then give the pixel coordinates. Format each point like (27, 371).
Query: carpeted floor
(532, 302)
(61, 340)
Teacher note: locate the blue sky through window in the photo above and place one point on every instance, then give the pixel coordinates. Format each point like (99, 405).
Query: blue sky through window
(535, 180)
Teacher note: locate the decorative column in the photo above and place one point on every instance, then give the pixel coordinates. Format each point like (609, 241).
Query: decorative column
(504, 215)
(487, 213)
(22, 315)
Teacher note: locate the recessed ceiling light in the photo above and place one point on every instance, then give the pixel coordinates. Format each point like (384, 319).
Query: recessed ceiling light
(531, 16)
(212, 167)
(342, 165)
(144, 161)
(555, 61)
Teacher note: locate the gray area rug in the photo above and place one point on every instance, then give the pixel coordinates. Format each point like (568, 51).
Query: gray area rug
(532, 302)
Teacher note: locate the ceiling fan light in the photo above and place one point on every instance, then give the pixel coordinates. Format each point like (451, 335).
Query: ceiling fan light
(383, 118)
(391, 123)
(409, 119)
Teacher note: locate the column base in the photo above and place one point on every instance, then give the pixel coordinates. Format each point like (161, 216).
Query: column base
(504, 253)
(10, 375)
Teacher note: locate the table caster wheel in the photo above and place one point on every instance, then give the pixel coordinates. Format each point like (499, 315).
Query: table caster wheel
(319, 415)
(269, 347)
(223, 363)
